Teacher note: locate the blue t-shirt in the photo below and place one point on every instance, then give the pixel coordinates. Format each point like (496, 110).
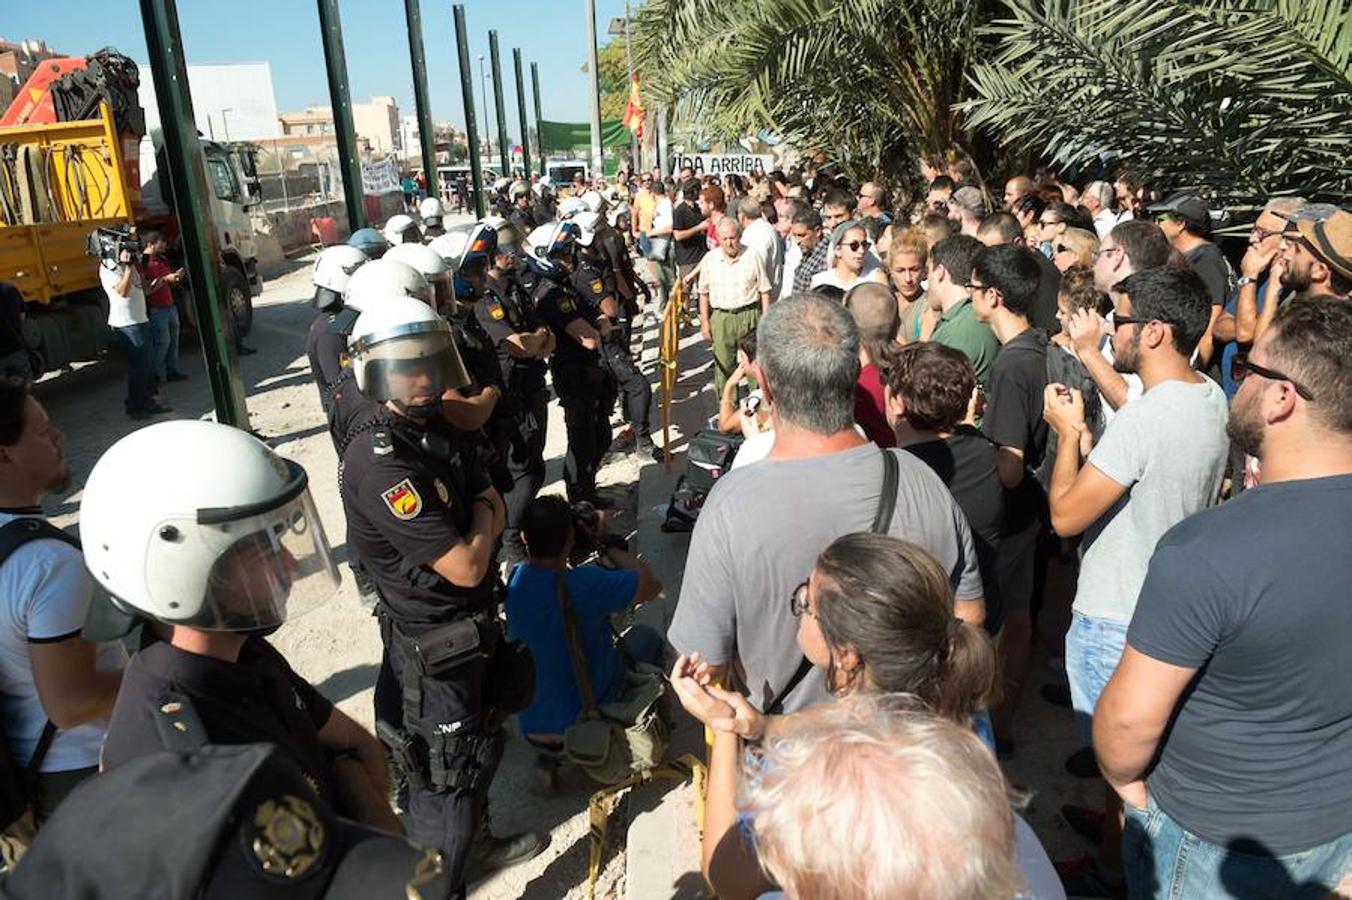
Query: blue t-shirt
(533, 616)
(1231, 348)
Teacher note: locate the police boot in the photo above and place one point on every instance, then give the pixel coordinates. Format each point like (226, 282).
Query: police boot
(491, 853)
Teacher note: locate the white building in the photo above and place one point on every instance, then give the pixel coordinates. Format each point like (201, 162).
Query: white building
(231, 101)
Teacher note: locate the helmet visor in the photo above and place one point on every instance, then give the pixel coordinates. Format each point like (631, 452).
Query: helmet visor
(413, 369)
(269, 565)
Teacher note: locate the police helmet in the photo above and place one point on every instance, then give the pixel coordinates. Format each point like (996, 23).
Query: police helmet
(594, 201)
(431, 212)
(500, 184)
(518, 190)
(370, 242)
(555, 242)
(571, 206)
(199, 524)
(401, 229)
(404, 352)
(509, 238)
(432, 268)
(587, 223)
(333, 269)
(544, 187)
(385, 277)
(449, 246)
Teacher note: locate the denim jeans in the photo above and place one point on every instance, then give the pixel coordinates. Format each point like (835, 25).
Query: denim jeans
(1163, 860)
(165, 328)
(1093, 649)
(136, 341)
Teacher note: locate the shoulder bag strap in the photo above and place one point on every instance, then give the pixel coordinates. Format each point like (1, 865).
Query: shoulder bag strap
(577, 655)
(40, 751)
(882, 520)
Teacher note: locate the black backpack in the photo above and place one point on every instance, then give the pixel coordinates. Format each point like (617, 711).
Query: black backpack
(708, 457)
(16, 784)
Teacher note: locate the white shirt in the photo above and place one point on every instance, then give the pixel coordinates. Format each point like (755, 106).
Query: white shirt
(128, 310)
(1104, 222)
(829, 277)
(44, 594)
(793, 257)
(662, 217)
(761, 237)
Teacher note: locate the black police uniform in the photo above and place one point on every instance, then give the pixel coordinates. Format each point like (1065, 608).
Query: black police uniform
(502, 313)
(579, 383)
(257, 699)
(522, 219)
(326, 346)
(409, 494)
(545, 210)
(615, 256)
(481, 362)
(594, 284)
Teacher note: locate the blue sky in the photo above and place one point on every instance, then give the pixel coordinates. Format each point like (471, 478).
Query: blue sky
(286, 34)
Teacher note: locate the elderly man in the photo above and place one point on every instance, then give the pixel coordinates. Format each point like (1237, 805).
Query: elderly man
(761, 530)
(760, 236)
(1016, 189)
(734, 289)
(966, 209)
(1098, 198)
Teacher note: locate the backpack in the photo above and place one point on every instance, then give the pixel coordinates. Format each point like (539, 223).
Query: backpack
(708, 457)
(16, 784)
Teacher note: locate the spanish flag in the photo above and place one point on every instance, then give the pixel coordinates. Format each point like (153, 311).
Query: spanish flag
(633, 113)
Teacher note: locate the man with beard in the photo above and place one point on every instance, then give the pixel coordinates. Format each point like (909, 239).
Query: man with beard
(1316, 256)
(1225, 727)
(58, 687)
(1160, 460)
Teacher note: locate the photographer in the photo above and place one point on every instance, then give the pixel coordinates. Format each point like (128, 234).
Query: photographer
(551, 532)
(122, 283)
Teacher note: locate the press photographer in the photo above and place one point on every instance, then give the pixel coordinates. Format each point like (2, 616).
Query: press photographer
(118, 251)
(552, 604)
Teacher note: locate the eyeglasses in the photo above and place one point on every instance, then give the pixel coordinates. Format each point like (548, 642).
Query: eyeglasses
(855, 246)
(1115, 319)
(1261, 234)
(1242, 368)
(975, 288)
(1046, 222)
(1062, 248)
(1103, 250)
(798, 601)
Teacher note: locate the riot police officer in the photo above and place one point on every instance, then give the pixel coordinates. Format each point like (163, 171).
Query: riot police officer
(402, 229)
(545, 208)
(370, 242)
(575, 364)
(595, 283)
(432, 267)
(326, 343)
(432, 213)
(522, 343)
(423, 512)
(522, 216)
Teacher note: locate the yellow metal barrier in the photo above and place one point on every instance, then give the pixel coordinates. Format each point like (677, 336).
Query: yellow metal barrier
(668, 361)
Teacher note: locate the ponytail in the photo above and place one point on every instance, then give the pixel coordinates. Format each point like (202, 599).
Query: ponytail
(970, 677)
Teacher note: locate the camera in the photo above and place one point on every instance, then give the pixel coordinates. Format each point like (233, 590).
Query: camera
(589, 533)
(108, 244)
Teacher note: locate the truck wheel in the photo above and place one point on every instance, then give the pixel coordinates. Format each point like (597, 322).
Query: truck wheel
(237, 299)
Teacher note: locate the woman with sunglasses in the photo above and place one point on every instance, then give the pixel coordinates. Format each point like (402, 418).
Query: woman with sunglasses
(853, 263)
(876, 613)
(1075, 247)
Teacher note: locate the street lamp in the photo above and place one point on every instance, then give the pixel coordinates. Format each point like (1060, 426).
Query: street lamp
(225, 123)
(483, 88)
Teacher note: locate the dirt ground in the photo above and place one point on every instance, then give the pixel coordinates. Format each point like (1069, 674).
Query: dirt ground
(338, 648)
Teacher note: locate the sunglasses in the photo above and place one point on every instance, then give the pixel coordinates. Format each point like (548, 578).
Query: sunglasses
(1046, 222)
(798, 601)
(856, 246)
(1242, 369)
(1115, 319)
(1062, 248)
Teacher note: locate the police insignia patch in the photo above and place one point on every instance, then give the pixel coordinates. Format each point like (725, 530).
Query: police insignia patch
(403, 500)
(597, 286)
(287, 837)
(566, 305)
(495, 310)
(442, 491)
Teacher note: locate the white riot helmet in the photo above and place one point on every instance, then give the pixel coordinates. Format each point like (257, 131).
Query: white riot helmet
(385, 277)
(173, 538)
(500, 185)
(509, 238)
(333, 270)
(432, 267)
(431, 212)
(401, 229)
(404, 352)
(518, 190)
(594, 201)
(450, 246)
(587, 223)
(571, 206)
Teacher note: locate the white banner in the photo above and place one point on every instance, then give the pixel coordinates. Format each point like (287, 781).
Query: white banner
(380, 177)
(722, 163)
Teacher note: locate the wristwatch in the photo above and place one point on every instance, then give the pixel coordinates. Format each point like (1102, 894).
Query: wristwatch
(1243, 280)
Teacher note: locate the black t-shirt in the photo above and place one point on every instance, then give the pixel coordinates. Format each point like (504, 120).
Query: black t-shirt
(965, 461)
(476, 349)
(350, 412)
(558, 305)
(1210, 265)
(258, 699)
(1013, 418)
(593, 282)
(1043, 313)
(1253, 594)
(692, 249)
(11, 311)
(615, 254)
(406, 508)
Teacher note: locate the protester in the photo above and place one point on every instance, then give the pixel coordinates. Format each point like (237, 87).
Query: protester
(1075, 247)
(966, 209)
(793, 254)
(734, 291)
(660, 250)
(950, 269)
(870, 206)
(1160, 460)
(806, 232)
(1078, 295)
(1316, 256)
(852, 265)
(1016, 189)
(760, 237)
(875, 614)
(1028, 211)
(837, 208)
(940, 192)
(1002, 229)
(907, 265)
(936, 228)
(688, 229)
(58, 687)
(1225, 729)
(821, 475)
(875, 314)
(713, 205)
(162, 309)
(1098, 199)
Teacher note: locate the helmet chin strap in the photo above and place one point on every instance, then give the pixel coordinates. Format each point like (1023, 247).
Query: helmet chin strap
(420, 412)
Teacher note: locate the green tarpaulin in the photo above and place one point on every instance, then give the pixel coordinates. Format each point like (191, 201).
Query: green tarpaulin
(567, 136)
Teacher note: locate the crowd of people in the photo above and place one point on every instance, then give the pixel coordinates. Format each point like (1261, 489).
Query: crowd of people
(945, 401)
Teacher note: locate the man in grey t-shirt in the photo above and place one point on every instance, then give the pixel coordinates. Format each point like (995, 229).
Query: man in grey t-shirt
(1227, 727)
(1160, 460)
(763, 526)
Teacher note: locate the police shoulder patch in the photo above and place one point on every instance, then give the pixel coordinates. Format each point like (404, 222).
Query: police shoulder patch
(566, 304)
(495, 310)
(598, 286)
(403, 500)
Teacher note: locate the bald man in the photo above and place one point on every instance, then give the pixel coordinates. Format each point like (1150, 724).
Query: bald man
(1016, 189)
(874, 311)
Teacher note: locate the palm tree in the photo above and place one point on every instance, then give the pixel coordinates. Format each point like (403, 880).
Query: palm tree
(868, 83)
(1243, 98)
